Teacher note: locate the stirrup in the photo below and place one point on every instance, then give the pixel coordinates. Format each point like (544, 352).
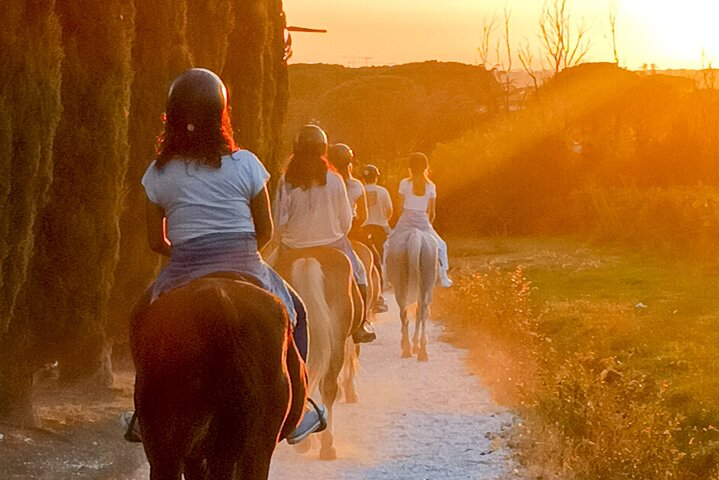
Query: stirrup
(321, 412)
(301, 432)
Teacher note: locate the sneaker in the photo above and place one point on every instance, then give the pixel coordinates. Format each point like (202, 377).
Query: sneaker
(128, 420)
(313, 421)
(364, 334)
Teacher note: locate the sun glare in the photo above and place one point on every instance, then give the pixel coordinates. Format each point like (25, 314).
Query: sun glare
(677, 31)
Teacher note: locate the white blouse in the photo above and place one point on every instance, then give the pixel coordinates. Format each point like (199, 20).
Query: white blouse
(318, 216)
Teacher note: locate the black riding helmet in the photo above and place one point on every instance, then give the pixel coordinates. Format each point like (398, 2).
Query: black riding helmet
(340, 155)
(370, 173)
(196, 97)
(312, 140)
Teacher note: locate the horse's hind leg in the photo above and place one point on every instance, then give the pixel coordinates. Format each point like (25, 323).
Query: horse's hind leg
(422, 317)
(349, 371)
(404, 343)
(254, 463)
(417, 330)
(329, 388)
(165, 470)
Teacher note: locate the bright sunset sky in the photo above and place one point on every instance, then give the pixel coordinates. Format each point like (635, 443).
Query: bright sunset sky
(668, 33)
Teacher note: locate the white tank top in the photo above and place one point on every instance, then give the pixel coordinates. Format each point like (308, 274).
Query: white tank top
(414, 202)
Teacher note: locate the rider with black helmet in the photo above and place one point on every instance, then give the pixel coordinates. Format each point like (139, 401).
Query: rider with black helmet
(312, 208)
(341, 157)
(208, 208)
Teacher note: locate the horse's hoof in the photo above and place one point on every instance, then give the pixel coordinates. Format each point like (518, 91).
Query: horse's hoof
(304, 446)
(406, 354)
(422, 356)
(351, 398)
(329, 453)
(415, 350)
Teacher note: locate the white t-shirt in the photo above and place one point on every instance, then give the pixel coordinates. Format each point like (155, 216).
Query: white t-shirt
(379, 205)
(412, 201)
(317, 216)
(200, 200)
(355, 190)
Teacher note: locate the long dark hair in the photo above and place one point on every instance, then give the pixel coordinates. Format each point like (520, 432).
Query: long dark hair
(307, 169)
(418, 166)
(197, 120)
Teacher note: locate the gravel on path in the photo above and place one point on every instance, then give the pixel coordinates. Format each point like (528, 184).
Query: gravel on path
(414, 420)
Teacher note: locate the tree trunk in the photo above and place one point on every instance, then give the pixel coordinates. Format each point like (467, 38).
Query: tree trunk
(29, 115)
(159, 54)
(16, 381)
(78, 236)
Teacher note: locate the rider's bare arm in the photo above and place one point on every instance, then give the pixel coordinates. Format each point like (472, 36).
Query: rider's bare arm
(156, 229)
(431, 209)
(260, 208)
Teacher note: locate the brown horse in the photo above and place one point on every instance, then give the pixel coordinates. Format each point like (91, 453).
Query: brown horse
(350, 368)
(323, 278)
(219, 381)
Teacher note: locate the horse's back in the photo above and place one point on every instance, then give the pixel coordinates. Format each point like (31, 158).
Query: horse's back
(206, 320)
(211, 376)
(323, 278)
(412, 265)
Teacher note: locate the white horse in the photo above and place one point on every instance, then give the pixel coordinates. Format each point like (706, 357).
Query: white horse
(323, 278)
(411, 262)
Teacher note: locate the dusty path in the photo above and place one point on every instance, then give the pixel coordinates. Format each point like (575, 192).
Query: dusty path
(414, 420)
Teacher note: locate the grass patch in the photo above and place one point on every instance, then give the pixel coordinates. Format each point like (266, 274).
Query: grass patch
(610, 355)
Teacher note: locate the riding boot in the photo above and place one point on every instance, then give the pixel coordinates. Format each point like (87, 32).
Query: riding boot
(365, 332)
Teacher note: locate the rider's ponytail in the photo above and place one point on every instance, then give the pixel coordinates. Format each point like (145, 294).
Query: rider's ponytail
(418, 166)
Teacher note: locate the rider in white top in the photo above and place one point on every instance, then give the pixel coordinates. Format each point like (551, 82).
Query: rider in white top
(376, 229)
(341, 157)
(418, 196)
(297, 208)
(379, 203)
(313, 209)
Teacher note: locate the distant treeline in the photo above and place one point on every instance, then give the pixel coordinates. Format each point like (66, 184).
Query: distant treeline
(82, 92)
(384, 113)
(574, 155)
(578, 153)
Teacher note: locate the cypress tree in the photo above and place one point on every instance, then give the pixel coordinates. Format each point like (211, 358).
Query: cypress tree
(256, 74)
(244, 71)
(278, 88)
(209, 22)
(30, 73)
(78, 240)
(159, 54)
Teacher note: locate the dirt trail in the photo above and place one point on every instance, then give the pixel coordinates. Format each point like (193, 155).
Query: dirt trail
(424, 421)
(414, 420)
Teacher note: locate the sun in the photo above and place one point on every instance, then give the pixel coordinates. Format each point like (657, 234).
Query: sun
(678, 32)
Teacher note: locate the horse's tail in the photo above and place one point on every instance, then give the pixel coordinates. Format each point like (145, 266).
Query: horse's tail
(414, 257)
(308, 277)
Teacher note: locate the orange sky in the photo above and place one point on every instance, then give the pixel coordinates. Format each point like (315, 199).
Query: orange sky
(668, 33)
